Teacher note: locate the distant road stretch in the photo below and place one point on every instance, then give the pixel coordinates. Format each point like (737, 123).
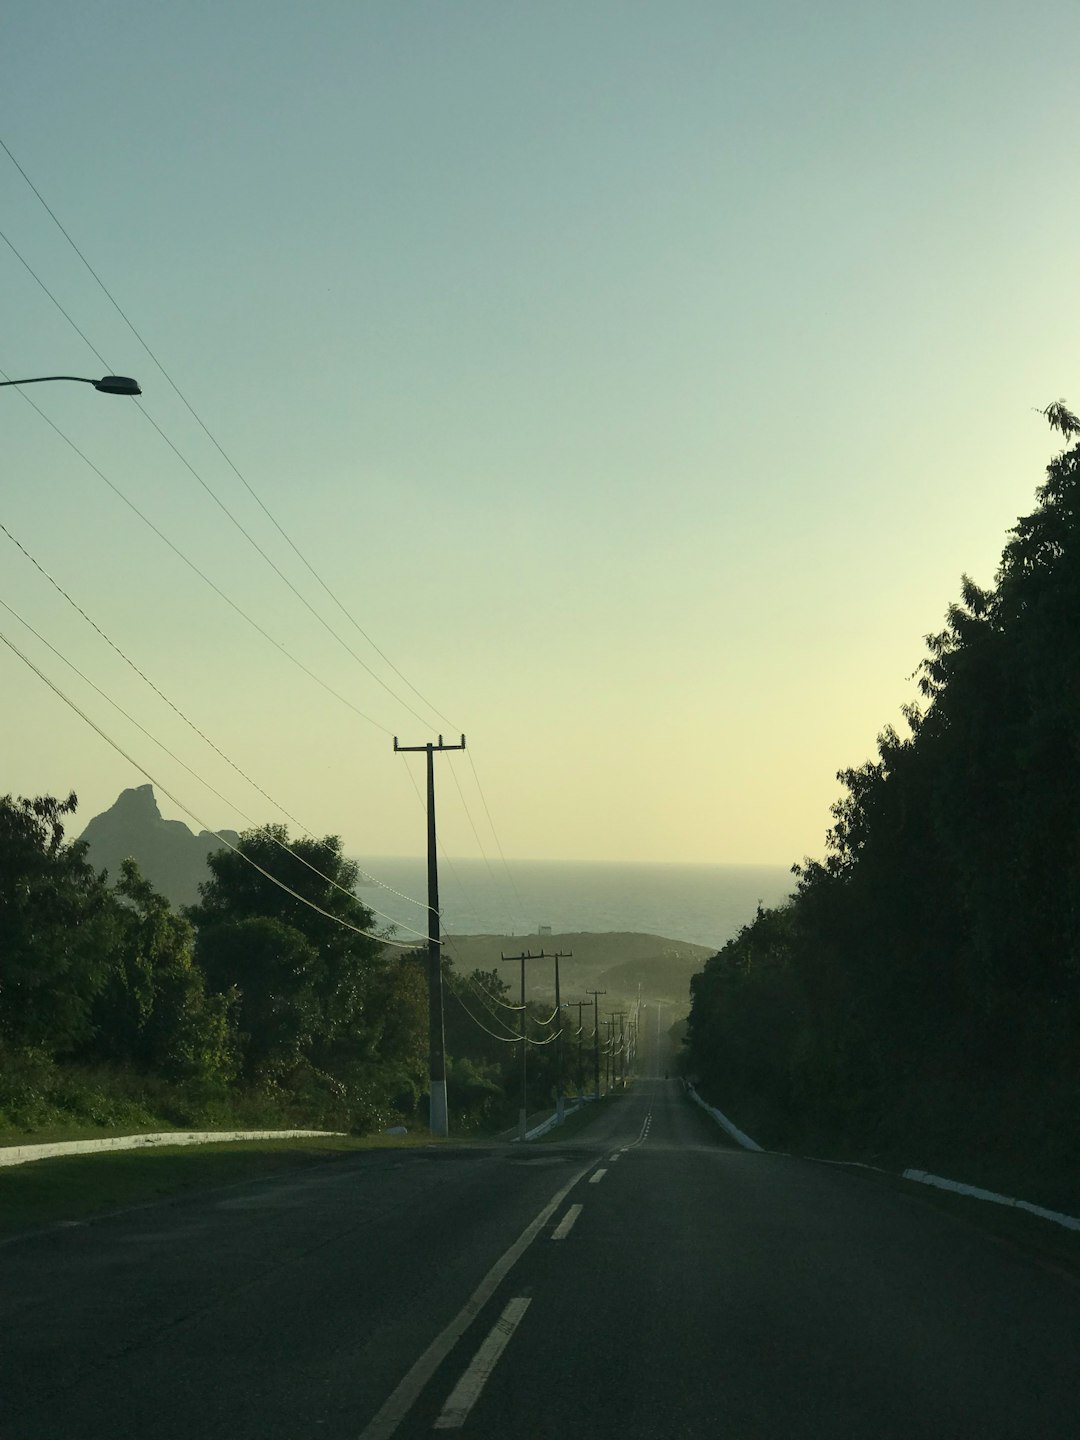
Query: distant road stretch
(645, 1280)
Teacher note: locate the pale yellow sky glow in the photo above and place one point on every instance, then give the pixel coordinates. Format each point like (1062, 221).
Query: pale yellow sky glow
(641, 379)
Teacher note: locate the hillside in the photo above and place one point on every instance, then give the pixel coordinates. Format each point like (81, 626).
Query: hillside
(617, 962)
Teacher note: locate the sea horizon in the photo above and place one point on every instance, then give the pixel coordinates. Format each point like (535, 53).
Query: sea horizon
(703, 903)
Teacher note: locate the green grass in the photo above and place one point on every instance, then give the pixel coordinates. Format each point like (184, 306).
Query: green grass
(74, 1188)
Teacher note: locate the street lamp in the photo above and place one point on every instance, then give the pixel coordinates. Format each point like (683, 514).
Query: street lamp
(109, 384)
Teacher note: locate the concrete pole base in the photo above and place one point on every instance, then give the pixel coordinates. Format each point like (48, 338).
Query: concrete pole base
(439, 1122)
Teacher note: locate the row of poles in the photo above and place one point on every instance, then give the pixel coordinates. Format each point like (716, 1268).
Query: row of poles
(618, 1057)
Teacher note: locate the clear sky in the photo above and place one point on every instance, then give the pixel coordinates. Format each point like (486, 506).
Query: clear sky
(641, 377)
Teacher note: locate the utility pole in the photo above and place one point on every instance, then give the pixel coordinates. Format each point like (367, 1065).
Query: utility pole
(438, 1119)
(579, 1005)
(559, 1107)
(596, 1039)
(620, 1053)
(523, 1113)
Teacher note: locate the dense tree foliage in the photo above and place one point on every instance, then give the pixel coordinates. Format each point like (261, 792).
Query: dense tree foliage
(55, 923)
(276, 988)
(921, 991)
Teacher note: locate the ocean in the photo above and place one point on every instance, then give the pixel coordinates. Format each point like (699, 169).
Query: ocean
(703, 904)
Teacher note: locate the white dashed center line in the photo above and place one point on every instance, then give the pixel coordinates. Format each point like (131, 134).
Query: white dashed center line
(597, 1176)
(566, 1224)
(467, 1391)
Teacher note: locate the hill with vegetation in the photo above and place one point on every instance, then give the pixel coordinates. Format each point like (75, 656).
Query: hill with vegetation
(273, 1000)
(616, 961)
(919, 997)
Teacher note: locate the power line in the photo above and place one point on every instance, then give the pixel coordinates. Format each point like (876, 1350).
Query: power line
(479, 842)
(34, 275)
(236, 471)
(277, 644)
(503, 1039)
(213, 496)
(370, 934)
(187, 720)
(250, 538)
(183, 764)
(495, 835)
(233, 518)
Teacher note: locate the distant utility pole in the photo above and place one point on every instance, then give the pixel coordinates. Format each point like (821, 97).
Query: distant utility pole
(559, 1107)
(438, 1117)
(596, 1039)
(579, 1005)
(620, 1053)
(523, 1113)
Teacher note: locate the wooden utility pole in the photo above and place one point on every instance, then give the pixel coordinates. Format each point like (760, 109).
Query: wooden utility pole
(579, 1005)
(438, 1117)
(596, 1039)
(523, 1113)
(619, 1053)
(559, 1106)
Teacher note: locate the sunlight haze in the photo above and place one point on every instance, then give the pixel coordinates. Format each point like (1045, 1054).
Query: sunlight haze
(640, 378)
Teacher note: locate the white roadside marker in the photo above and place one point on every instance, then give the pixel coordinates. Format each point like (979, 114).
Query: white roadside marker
(596, 1177)
(566, 1224)
(467, 1391)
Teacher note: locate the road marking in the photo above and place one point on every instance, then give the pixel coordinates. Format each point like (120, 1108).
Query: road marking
(405, 1394)
(467, 1391)
(566, 1224)
(596, 1177)
(645, 1124)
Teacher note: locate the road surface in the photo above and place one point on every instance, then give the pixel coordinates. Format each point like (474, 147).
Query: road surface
(642, 1280)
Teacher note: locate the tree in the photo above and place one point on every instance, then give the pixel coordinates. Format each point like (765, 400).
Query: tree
(56, 923)
(154, 1010)
(279, 923)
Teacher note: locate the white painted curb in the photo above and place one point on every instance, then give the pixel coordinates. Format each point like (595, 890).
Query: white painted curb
(1070, 1222)
(548, 1124)
(940, 1183)
(22, 1154)
(722, 1120)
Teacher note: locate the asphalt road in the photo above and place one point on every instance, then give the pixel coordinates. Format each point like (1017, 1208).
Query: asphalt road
(698, 1291)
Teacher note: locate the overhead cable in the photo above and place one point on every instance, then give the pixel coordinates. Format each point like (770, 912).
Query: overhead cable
(328, 915)
(277, 644)
(186, 719)
(495, 834)
(202, 781)
(513, 1040)
(240, 476)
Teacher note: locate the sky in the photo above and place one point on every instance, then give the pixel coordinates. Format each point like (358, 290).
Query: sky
(639, 379)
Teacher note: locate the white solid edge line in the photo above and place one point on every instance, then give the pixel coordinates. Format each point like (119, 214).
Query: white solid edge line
(566, 1224)
(404, 1395)
(596, 1177)
(467, 1391)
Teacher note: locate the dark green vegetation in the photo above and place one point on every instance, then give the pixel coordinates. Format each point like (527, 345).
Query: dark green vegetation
(918, 1000)
(253, 1009)
(270, 1003)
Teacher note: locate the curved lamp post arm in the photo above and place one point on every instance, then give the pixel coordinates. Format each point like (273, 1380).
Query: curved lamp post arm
(108, 384)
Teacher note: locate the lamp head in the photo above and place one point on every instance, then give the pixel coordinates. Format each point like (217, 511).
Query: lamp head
(117, 385)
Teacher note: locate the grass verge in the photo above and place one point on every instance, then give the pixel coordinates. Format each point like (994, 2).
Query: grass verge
(75, 1188)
